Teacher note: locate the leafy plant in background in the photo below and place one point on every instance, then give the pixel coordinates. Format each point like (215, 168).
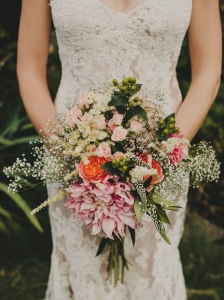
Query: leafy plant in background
(15, 133)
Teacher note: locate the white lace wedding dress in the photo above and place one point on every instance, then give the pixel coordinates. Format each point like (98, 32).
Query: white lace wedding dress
(98, 43)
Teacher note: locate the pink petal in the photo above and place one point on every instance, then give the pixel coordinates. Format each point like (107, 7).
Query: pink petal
(95, 229)
(127, 220)
(108, 226)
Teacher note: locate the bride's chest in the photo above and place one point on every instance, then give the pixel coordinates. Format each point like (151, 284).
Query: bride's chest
(148, 17)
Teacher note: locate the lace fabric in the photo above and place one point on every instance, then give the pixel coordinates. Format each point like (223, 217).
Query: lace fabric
(98, 43)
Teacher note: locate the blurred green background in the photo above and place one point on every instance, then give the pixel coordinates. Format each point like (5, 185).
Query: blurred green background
(25, 246)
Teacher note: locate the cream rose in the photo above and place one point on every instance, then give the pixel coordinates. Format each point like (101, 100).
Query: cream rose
(103, 150)
(135, 126)
(117, 119)
(119, 134)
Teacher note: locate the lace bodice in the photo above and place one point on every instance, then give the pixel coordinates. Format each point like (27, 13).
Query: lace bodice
(97, 43)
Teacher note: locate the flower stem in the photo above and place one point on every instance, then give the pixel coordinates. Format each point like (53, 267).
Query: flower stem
(115, 269)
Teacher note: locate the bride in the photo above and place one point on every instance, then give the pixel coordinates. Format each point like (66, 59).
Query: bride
(99, 40)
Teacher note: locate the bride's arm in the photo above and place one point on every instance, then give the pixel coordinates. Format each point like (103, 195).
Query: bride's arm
(205, 52)
(33, 49)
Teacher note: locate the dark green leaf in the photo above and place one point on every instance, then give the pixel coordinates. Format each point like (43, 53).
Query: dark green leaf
(161, 137)
(102, 245)
(136, 111)
(110, 169)
(108, 115)
(119, 147)
(121, 109)
(138, 87)
(132, 233)
(162, 214)
(114, 149)
(118, 100)
(147, 182)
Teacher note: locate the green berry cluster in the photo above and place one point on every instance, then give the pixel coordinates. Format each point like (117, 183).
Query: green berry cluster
(122, 164)
(167, 126)
(127, 86)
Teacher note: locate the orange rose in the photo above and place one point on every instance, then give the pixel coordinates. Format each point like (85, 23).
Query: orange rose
(92, 171)
(155, 179)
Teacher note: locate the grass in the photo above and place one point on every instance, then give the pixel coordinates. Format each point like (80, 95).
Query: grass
(25, 261)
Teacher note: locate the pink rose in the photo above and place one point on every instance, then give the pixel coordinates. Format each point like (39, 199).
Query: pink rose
(103, 150)
(112, 125)
(178, 154)
(69, 120)
(117, 155)
(135, 126)
(76, 112)
(82, 103)
(119, 134)
(71, 116)
(117, 119)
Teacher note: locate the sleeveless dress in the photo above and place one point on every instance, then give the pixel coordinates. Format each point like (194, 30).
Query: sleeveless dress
(96, 44)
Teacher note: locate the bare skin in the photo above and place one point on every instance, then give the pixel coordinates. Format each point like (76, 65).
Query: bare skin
(205, 51)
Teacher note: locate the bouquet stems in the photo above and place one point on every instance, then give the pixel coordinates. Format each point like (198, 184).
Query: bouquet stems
(117, 261)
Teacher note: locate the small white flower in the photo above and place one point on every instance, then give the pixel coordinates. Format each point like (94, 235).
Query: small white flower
(139, 172)
(91, 95)
(90, 101)
(72, 141)
(78, 149)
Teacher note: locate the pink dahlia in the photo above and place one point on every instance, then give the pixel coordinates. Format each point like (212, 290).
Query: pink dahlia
(105, 208)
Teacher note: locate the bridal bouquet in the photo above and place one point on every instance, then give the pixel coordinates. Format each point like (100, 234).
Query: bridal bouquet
(117, 158)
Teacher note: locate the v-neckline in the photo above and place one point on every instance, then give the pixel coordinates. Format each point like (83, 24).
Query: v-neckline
(127, 11)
